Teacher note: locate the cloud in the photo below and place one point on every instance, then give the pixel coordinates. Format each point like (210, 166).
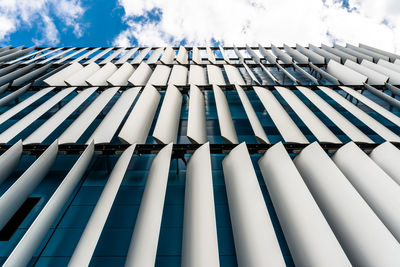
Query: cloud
(195, 22)
(17, 14)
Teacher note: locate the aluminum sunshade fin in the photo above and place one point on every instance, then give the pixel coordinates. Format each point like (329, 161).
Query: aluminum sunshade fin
(9, 161)
(374, 77)
(225, 57)
(360, 56)
(313, 123)
(20, 190)
(387, 64)
(109, 125)
(178, 75)
(376, 56)
(143, 247)
(71, 55)
(253, 54)
(372, 105)
(325, 74)
(196, 56)
(141, 75)
(336, 117)
(86, 55)
(343, 56)
(4, 87)
(392, 56)
(22, 105)
(345, 74)
(327, 55)
(199, 241)
(210, 55)
(234, 75)
(380, 191)
(56, 56)
(58, 78)
(168, 56)
(84, 250)
(97, 56)
(121, 75)
(78, 127)
(309, 236)
(282, 56)
(196, 125)
(25, 249)
(138, 123)
(286, 126)
(141, 55)
(225, 121)
(155, 55)
(312, 56)
(17, 54)
(394, 90)
(267, 55)
(79, 78)
(41, 133)
(14, 95)
(100, 77)
(182, 56)
(364, 238)
(16, 74)
(238, 54)
(296, 55)
(160, 75)
(29, 55)
(252, 116)
(377, 127)
(30, 75)
(255, 241)
(124, 58)
(167, 126)
(197, 75)
(394, 76)
(112, 56)
(251, 74)
(23, 123)
(215, 75)
(386, 155)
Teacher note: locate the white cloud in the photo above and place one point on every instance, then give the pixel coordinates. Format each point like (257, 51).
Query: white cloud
(16, 14)
(262, 21)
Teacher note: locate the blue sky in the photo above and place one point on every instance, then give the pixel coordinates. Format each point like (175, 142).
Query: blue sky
(195, 22)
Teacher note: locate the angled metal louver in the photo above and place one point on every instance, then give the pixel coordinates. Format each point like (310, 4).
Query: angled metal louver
(286, 126)
(124, 58)
(141, 75)
(255, 240)
(141, 55)
(112, 56)
(12, 96)
(143, 247)
(392, 56)
(182, 56)
(312, 56)
(386, 155)
(215, 75)
(252, 116)
(267, 55)
(27, 246)
(35, 54)
(234, 75)
(387, 64)
(179, 75)
(380, 191)
(138, 123)
(390, 100)
(327, 55)
(337, 118)
(394, 76)
(196, 125)
(15, 74)
(100, 77)
(155, 55)
(78, 127)
(196, 56)
(296, 55)
(57, 55)
(355, 225)
(41, 133)
(97, 56)
(197, 75)
(20, 190)
(58, 78)
(86, 55)
(199, 241)
(360, 56)
(253, 54)
(227, 129)
(376, 56)
(210, 55)
(109, 125)
(160, 75)
(377, 127)
(374, 77)
(313, 123)
(343, 56)
(309, 236)
(79, 78)
(121, 75)
(282, 56)
(30, 75)
(238, 54)
(71, 55)
(225, 57)
(168, 56)
(20, 125)
(9, 161)
(167, 126)
(90, 236)
(345, 75)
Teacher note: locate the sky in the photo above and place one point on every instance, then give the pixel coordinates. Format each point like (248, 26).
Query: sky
(199, 22)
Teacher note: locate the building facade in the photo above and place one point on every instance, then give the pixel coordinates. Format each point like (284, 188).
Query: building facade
(199, 156)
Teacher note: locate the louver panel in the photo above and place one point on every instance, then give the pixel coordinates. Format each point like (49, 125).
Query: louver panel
(215, 75)
(58, 78)
(160, 75)
(79, 78)
(99, 78)
(197, 75)
(374, 77)
(9, 161)
(141, 75)
(121, 75)
(386, 156)
(178, 75)
(196, 127)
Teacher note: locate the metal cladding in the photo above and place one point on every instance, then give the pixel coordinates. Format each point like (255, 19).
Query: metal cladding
(200, 156)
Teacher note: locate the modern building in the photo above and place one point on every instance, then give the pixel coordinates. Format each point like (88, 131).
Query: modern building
(199, 156)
